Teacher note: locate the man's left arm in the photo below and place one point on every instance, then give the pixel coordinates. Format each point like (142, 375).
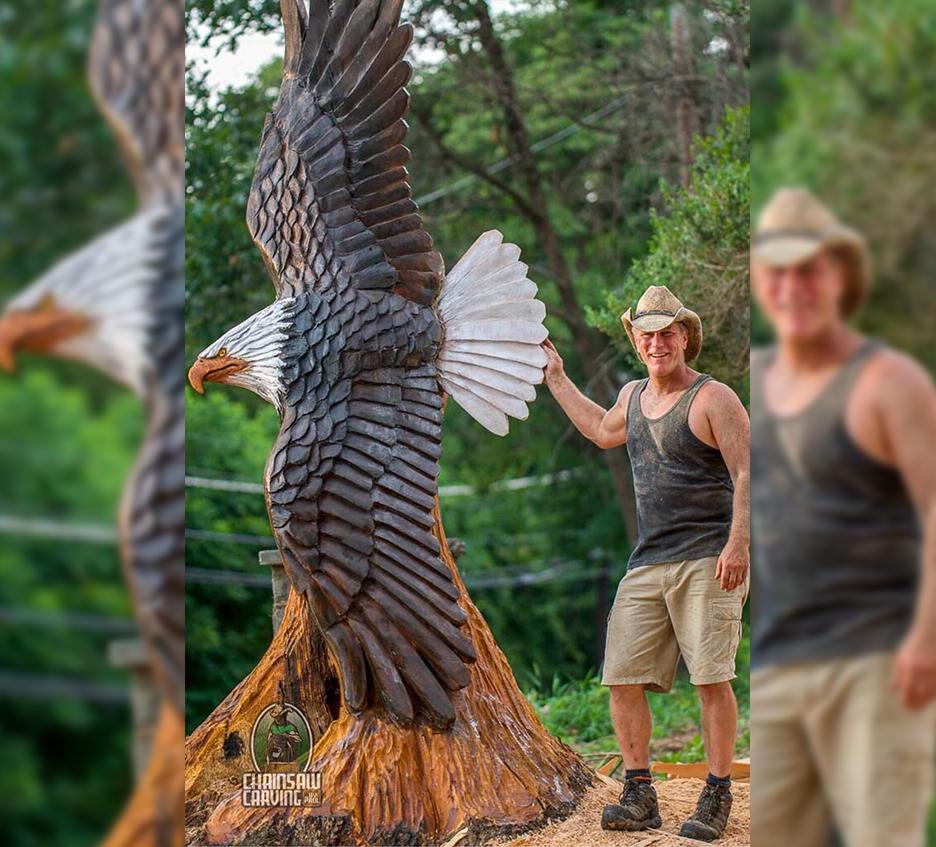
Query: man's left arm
(908, 413)
(731, 430)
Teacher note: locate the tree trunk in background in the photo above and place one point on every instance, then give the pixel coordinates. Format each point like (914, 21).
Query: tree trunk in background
(686, 121)
(842, 9)
(497, 771)
(589, 343)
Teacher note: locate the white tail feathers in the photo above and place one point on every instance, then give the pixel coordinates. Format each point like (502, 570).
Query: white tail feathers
(491, 359)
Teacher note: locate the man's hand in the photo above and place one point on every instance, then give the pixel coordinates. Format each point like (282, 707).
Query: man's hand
(915, 669)
(555, 367)
(733, 566)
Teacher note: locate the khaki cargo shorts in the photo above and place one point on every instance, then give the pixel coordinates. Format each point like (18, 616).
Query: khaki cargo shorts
(666, 609)
(834, 743)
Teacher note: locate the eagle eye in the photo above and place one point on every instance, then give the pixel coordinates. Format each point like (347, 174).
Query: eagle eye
(47, 302)
(222, 352)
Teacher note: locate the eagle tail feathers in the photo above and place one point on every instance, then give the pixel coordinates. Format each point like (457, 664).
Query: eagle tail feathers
(491, 359)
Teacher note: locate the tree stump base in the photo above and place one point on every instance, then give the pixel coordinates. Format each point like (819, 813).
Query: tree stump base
(497, 771)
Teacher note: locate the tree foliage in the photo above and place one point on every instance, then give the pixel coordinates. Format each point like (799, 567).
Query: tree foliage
(857, 125)
(699, 250)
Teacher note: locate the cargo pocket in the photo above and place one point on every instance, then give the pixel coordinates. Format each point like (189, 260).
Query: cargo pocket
(725, 631)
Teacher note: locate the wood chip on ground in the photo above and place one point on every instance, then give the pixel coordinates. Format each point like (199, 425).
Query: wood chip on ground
(677, 801)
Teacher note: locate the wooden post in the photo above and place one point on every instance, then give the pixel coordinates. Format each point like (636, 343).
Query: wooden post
(145, 700)
(280, 584)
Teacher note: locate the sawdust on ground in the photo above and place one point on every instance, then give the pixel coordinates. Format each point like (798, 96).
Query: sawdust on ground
(677, 801)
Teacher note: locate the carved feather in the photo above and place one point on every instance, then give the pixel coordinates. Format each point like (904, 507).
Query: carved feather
(492, 359)
(333, 153)
(136, 69)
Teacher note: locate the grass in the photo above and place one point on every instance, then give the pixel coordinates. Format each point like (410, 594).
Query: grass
(578, 713)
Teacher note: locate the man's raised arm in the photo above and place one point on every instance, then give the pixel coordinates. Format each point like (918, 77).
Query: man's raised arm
(605, 428)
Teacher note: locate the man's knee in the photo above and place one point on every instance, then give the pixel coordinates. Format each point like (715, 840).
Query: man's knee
(715, 692)
(627, 693)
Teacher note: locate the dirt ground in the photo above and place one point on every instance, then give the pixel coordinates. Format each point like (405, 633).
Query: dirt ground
(677, 801)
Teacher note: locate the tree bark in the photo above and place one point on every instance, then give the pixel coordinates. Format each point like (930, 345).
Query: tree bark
(588, 342)
(496, 771)
(686, 122)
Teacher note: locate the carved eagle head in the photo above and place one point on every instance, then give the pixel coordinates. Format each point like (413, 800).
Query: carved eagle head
(253, 355)
(96, 305)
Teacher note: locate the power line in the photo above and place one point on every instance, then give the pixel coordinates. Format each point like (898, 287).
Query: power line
(100, 534)
(538, 146)
(68, 620)
(19, 686)
(455, 490)
(211, 576)
(46, 528)
(228, 537)
(223, 485)
(561, 572)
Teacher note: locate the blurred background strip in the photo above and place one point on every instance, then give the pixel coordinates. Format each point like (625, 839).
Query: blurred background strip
(844, 104)
(91, 251)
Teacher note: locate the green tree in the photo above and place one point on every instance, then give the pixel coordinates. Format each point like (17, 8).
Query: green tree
(857, 125)
(699, 249)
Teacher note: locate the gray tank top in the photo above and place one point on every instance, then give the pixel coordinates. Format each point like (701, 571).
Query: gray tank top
(683, 488)
(836, 539)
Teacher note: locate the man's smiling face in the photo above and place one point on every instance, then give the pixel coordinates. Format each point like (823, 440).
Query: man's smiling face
(663, 351)
(802, 301)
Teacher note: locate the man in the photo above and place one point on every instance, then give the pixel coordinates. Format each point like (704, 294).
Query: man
(844, 480)
(686, 582)
(283, 737)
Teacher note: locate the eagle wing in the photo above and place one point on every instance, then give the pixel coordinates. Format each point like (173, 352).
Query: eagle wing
(331, 205)
(352, 479)
(351, 491)
(136, 69)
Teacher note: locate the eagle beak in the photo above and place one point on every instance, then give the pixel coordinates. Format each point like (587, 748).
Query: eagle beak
(216, 369)
(37, 331)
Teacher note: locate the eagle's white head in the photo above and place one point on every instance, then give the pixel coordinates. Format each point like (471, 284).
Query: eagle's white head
(251, 354)
(94, 305)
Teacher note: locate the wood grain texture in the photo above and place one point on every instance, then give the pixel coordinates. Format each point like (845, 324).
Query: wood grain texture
(497, 770)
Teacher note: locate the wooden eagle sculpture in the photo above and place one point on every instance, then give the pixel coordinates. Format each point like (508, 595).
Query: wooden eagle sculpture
(365, 335)
(117, 304)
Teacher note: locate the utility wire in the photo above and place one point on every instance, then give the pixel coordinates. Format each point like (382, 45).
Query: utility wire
(542, 144)
(208, 576)
(456, 490)
(68, 620)
(563, 572)
(20, 686)
(229, 537)
(46, 528)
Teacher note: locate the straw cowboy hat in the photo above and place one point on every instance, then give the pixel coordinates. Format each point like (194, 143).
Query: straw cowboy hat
(279, 711)
(794, 226)
(657, 308)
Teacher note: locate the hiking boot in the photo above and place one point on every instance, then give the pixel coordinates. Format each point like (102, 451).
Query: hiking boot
(710, 817)
(636, 809)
